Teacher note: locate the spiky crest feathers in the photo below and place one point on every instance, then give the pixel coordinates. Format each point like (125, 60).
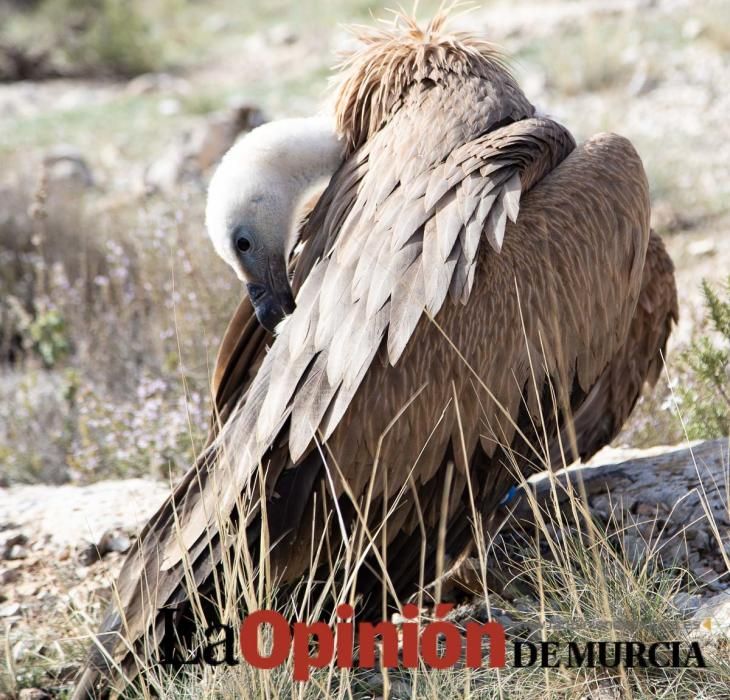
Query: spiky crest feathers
(373, 78)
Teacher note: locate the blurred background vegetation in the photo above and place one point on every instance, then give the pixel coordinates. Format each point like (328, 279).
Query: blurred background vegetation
(113, 113)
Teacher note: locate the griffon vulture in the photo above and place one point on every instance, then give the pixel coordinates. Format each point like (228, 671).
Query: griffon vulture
(467, 280)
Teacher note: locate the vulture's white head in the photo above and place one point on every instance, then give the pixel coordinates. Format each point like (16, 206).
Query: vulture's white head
(253, 199)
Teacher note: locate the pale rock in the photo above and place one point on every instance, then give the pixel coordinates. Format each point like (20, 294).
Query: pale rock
(169, 107)
(16, 552)
(692, 28)
(713, 616)
(33, 694)
(705, 247)
(10, 610)
(111, 541)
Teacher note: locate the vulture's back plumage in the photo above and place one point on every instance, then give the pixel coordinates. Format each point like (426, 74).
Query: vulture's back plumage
(466, 263)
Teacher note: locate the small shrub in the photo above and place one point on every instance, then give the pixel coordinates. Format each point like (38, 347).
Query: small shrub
(49, 336)
(154, 433)
(705, 398)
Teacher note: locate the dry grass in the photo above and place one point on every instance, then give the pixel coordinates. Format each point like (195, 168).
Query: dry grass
(590, 590)
(585, 582)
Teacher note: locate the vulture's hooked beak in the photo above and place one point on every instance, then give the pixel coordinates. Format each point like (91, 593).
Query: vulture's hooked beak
(272, 299)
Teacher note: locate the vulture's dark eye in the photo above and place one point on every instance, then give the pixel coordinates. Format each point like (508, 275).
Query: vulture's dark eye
(243, 244)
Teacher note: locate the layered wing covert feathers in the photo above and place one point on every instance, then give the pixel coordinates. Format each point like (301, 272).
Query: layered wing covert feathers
(399, 269)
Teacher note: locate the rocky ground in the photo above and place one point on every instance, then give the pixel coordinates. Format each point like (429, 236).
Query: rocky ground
(61, 547)
(666, 504)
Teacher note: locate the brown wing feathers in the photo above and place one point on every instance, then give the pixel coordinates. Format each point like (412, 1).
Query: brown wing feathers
(640, 360)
